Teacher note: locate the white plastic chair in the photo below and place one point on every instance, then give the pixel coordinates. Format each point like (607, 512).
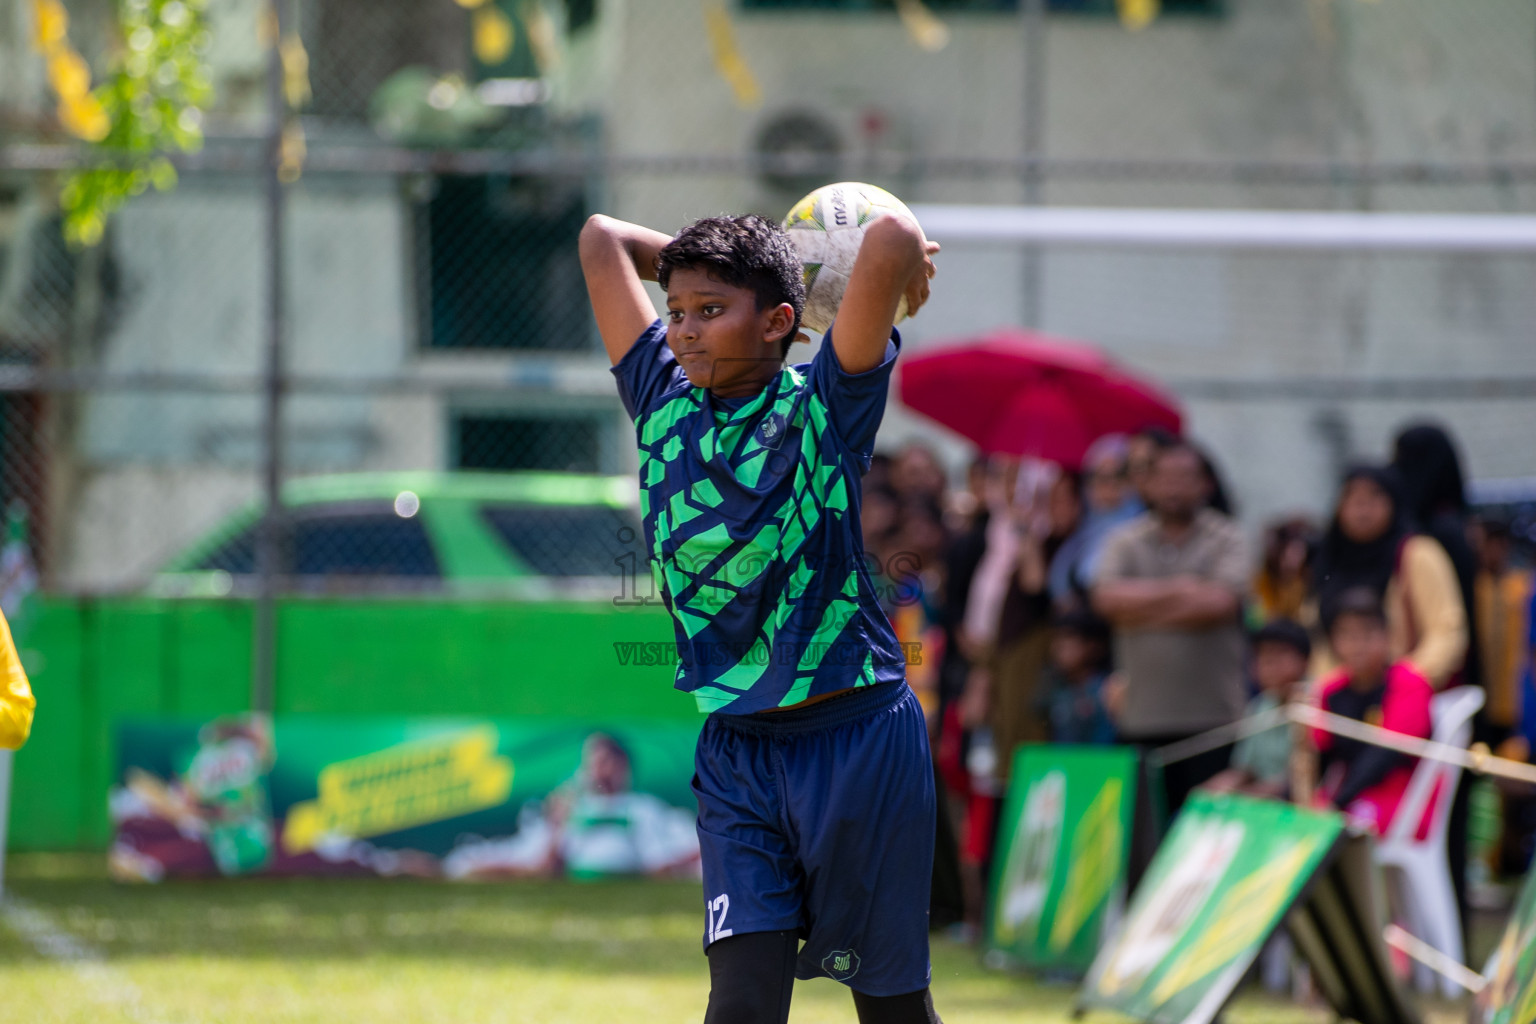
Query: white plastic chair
(1419, 869)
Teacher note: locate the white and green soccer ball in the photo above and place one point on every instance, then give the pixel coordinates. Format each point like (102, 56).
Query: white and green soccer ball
(827, 228)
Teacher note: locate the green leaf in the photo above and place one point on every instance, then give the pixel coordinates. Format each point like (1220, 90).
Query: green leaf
(153, 97)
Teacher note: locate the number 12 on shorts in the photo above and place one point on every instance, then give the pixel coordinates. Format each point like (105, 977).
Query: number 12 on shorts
(714, 912)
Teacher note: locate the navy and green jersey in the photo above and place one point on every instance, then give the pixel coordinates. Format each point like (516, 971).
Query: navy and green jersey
(751, 512)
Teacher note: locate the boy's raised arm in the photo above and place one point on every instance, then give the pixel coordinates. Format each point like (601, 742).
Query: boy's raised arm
(894, 260)
(616, 257)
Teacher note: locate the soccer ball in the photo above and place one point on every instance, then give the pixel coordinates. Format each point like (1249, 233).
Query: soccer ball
(827, 227)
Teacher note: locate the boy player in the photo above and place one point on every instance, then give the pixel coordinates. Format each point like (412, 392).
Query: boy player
(816, 804)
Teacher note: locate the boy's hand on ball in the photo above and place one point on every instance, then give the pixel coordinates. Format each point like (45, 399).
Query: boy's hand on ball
(918, 289)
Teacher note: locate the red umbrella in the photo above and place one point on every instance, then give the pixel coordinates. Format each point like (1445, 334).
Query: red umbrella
(1021, 393)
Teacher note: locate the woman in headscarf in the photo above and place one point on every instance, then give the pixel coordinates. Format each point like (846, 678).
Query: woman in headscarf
(1371, 544)
(1435, 503)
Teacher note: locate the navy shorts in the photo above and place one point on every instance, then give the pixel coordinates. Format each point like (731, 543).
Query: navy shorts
(821, 820)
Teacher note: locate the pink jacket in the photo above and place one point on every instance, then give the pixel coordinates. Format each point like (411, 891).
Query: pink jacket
(1371, 780)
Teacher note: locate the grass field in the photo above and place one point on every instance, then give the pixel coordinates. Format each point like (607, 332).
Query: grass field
(77, 949)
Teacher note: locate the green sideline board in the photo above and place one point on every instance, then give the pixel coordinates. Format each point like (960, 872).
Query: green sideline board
(459, 798)
(1510, 997)
(1222, 881)
(1060, 866)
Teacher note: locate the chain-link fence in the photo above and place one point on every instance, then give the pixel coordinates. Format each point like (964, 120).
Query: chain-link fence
(439, 350)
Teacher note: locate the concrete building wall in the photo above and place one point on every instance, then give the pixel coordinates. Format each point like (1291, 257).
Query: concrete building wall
(1417, 80)
(193, 270)
(1411, 81)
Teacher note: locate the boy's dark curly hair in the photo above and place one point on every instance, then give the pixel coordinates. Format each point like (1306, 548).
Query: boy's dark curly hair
(744, 252)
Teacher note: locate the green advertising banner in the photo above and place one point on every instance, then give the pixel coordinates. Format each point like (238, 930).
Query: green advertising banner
(1060, 864)
(1221, 882)
(1510, 995)
(452, 798)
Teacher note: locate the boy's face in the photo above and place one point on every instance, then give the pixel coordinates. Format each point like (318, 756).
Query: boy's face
(1071, 652)
(1278, 667)
(1361, 643)
(719, 336)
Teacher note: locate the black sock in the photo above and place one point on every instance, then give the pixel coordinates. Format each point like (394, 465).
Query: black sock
(751, 977)
(912, 1008)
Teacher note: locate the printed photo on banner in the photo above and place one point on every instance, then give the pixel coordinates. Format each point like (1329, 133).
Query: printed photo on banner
(433, 798)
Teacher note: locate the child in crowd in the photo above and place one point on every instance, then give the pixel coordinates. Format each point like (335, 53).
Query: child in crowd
(1366, 781)
(1261, 762)
(1078, 669)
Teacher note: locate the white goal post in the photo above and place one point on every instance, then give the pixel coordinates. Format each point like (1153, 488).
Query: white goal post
(1229, 229)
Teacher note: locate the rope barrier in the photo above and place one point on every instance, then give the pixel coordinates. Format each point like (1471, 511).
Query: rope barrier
(1477, 760)
(1219, 736)
(1415, 947)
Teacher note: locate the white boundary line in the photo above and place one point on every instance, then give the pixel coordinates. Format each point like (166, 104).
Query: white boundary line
(105, 984)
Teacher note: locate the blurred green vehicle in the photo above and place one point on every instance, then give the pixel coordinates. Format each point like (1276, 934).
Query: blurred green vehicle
(486, 534)
(476, 594)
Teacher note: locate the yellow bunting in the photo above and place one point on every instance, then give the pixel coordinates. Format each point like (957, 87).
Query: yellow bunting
(543, 37)
(52, 24)
(1136, 14)
(295, 70)
(291, 153)
(470, 5)
(84, 118)
(925, 28)
(729, 62)
(493, 36)
(80, 113)
(68, 73)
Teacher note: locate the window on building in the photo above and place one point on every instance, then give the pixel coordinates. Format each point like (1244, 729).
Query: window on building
(356, 45)
(579, 14)
(562, 443)
(498, 266)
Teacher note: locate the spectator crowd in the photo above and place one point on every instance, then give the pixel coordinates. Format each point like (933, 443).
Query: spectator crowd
(1120, 602)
